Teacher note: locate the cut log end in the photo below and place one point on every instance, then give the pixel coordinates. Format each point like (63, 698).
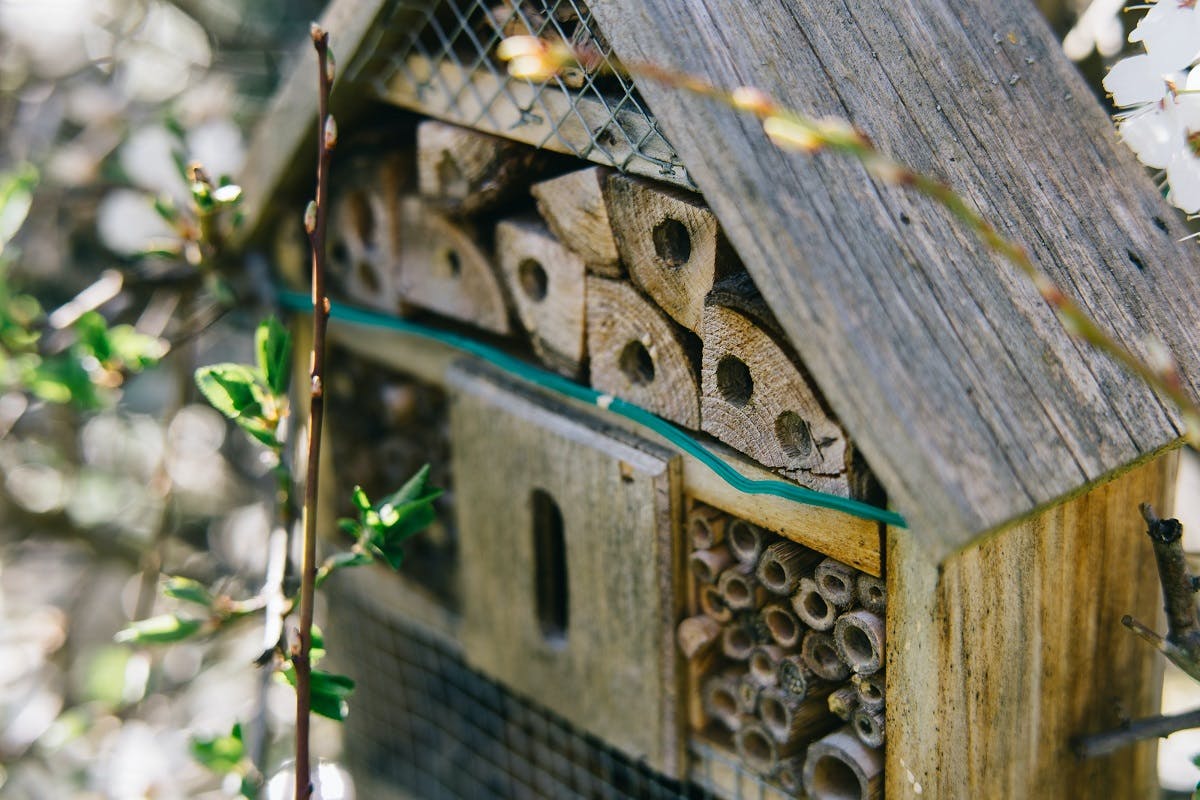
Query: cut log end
(574, 208)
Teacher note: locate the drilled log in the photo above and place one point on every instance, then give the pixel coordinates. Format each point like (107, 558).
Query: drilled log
(443, 269)
(364, 253)
(782, 564)
(638, 354)
(466, 172)
(812, 608)
(546, 282)
(840, 766)
(574, 207)
(860, 641)
(670, 243)
(754, 398)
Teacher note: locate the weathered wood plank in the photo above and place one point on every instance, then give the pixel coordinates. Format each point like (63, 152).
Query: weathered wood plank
(968, 398)
(1001, 654)
(597, 646)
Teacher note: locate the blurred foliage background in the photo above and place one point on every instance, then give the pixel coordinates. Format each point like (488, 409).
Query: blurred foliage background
(100, 100)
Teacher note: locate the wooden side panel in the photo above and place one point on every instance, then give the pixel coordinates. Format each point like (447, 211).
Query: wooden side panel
(1000, 655)
(614, 672)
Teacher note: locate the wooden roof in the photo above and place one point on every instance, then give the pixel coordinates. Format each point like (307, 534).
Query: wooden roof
(967, 396)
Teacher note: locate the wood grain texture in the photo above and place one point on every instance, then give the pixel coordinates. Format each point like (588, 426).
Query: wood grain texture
(968, 398)
(670, 243)
(546, 283)
(468, 172)
(754, 398)
(573, 206)
(1001, 654)
(367, 231)
(615, 670)
(638, 354)
(444, 268)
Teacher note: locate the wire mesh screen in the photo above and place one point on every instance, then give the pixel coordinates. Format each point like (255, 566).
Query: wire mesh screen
(444, 65)
(424, 723)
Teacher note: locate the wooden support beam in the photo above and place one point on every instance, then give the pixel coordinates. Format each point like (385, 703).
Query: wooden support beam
(575, 208)
(671, 244)
(1005, 651)
(638, 354)
(546, 282)
(444, 269)
(467, 172)
(754, 398)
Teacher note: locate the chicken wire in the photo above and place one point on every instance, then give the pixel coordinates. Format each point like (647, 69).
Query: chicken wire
(442, 47)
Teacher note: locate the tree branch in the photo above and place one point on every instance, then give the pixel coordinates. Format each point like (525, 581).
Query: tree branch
(1102, 744)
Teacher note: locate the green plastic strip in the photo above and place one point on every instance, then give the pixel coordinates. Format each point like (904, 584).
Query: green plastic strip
(299, 301)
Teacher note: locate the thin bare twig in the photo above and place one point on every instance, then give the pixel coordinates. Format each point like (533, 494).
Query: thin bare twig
(1102, 744)
(314, 222)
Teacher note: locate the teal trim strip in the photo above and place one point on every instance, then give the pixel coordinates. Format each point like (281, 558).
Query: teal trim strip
(298, 301)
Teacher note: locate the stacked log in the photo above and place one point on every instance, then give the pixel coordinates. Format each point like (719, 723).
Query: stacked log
(785, 655)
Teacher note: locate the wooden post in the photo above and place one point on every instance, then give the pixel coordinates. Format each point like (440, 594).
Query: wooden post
(1003, 652)
(546, 282)
(638, 354)
(574, 207)
(444, 269)
(754, 398)
(671, 244)
(466, 172)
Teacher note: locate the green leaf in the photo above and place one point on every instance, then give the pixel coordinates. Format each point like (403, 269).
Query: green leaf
(273, 346)
(413, 489)
(159, 630)
(256, 427)
(328, 694)
(360, 499)
(188, 590)
(132, 350)
(350, 527)
(221, 754)
(16, 198)
(166, 209)
(232, 389)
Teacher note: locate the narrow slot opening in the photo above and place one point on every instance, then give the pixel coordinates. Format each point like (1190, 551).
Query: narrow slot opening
(550, 567)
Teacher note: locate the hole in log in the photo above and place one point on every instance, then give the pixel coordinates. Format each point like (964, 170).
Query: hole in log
(367, 276)
(453, 263)
(360, 217)
(734, 381)
(672, 242)
(340, 253)
(1137, 262)
(533, 280)
(1158, 223)
(834, 779)
(550, 565)
(636, 363)
(782, 625)
(794, 435)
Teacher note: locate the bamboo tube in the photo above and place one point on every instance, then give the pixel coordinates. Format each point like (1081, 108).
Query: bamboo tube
(758, 749)
(737, 640)
(859, 636)
(696, 635)
(790, 775)
(707, 565)
(573, 206)
(713, 604)
(638, 354)
(720, 700)
(843, 702)
(794, 677)
(812, 608)
(764, 664)
(839, 767)
(782, 564)
(706, 526)
(835, 582)
(788, 719)
(741, 591)
(869, 726)
(821, 656)
(748, 693)
(546, 283)
(745, 540)
(872, 593)
(870, 690)
(785, 628)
